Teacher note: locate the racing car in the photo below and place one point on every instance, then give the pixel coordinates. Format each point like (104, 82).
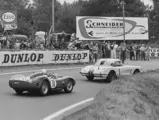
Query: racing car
(41, 82)
(109, 69)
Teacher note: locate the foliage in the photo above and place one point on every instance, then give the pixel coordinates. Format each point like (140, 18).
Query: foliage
(23, 12)
(154, 21)
(65, 15)
(113, 8)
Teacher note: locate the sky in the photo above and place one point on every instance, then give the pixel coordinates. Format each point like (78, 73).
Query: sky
(70, 1)
(149, 2)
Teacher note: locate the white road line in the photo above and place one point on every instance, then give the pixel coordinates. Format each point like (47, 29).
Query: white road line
(56, 114)
(10, 73)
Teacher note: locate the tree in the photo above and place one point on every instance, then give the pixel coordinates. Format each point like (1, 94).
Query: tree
(112, 8)
(153, 13)
(43, 14)
(24, 13)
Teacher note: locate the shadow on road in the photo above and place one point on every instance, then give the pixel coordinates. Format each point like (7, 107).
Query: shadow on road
(51, 94)
(96, 81)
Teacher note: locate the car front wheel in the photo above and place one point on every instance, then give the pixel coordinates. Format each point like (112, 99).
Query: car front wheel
(44, 88)
(69, 87)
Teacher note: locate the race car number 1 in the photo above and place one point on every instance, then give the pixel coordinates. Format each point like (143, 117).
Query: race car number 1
(53, 83)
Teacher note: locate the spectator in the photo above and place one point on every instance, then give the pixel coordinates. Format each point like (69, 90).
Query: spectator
(142, 49)
(115, 46)
(41, 46)
(138, 52)
(134, 47)
(147, 53)
(17, 45)
(23, 45)
(104, 45)
(108, 50)
(62, 43)
(95, 52)
(32, 45)
(71, 45)
(8, 44)
(90, 46)
(111, 50)
(123, 51)
(131, 52)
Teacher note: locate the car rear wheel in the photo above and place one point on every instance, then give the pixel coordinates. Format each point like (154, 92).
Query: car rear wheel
(44, 88)
(69, 87)
(90, 78)
(111, 77)
(19, 91)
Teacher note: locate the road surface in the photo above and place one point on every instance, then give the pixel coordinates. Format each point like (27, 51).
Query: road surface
(33, 107)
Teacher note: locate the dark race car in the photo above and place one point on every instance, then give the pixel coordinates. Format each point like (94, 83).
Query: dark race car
(41, 82)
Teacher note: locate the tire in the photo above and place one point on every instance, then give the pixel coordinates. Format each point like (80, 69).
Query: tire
(44, 88)
(111, 77)
(136, 72)
(90, 78)
(69, 87)
(19, 92)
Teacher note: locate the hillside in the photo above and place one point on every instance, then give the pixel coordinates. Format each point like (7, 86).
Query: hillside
(129, 98)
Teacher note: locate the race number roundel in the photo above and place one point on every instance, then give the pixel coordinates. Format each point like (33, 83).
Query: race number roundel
(8, 17)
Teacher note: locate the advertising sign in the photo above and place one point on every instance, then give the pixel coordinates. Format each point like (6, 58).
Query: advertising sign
(42, 57)
(9, 19)
(154, 52)
(111, 28)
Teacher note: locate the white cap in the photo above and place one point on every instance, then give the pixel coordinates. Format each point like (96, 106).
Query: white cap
(44, 71)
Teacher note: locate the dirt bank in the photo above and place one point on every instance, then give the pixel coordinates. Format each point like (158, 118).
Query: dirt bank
(128, 98)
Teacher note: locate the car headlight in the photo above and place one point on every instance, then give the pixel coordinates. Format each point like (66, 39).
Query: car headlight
(91, 70)
(12, 78)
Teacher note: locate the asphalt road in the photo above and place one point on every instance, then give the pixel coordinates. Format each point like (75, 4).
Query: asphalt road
(33, 107)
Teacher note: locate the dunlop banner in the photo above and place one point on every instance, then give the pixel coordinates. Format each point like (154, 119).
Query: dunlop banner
(42, 57)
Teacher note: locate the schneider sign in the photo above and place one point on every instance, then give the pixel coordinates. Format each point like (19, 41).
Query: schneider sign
(111, 28)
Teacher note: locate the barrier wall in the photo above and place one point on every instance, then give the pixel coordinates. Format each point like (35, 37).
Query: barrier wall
(15, 58)
(42, 57)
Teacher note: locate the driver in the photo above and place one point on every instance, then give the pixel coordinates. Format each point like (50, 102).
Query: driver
(45, 72)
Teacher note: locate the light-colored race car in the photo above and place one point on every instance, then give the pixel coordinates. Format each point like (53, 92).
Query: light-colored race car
(109, 69)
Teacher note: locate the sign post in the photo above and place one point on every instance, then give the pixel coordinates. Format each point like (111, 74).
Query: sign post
(123, 5)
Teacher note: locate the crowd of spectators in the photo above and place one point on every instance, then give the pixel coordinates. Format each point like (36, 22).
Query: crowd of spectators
(98, 49)
(122, 51)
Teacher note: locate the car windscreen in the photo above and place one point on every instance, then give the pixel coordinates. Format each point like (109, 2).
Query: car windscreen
(102, 62)
(34, 75)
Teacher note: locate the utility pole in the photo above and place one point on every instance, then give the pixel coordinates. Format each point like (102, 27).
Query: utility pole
(53, 16)
(123, 5)
(52, 29)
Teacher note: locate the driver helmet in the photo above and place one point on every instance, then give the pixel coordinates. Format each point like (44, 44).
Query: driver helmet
(44, 71)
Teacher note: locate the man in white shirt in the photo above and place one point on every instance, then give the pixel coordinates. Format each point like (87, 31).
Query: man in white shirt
(114, 50)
